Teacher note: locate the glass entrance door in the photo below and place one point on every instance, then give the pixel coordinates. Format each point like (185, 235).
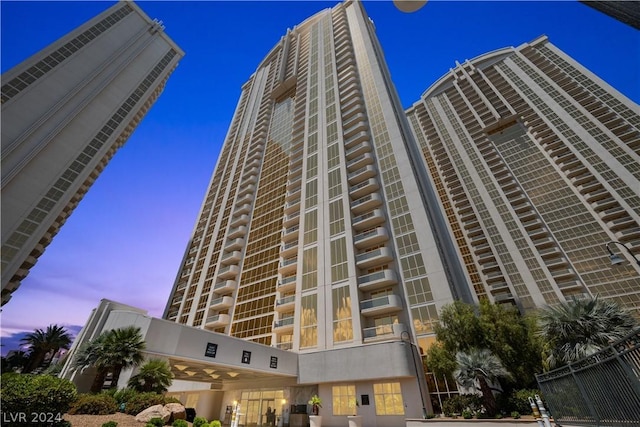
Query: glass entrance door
(260, 408)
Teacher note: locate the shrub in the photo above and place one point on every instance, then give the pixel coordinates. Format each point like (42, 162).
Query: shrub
(155, 422)
(498, 416)
(515, 415)
(467, 415)
(200, 422)
(431, 416)
(94, 404)
(457, 404)
(142, 401)
(124, 395)
(519, 400)
(27, 393)
(180, 423)
(110, 424)
(215, 423)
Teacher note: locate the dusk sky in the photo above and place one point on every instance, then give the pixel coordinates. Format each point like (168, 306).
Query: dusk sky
(126, 239)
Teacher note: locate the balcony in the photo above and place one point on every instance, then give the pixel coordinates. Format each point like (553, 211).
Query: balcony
(221, 303)
(291, 233)
(493, 277)
(613, 213)
(239, 220)
(291, 219)
(217, 320)
(286, 284)
(381, 305)
(289, 249)
(225, 287)
(628, 234)
(228, 272)
(621, 223)
(293, 194)
(288, 266)
(383, 332)
(597, 195)
(285, 345)
(238, 231)
(571, 286)
(359, 162)
(604, 204)
(292, 206)
(366, 203)
(370, 238)
(364, 188)
(247, 189)
(286, 304)
(377, 280)
(233, 244)
(368, 220)
(373, 258)
(361, 174)
(353, 140)
(283, 325)
(563, 275)
(243, 209)
(551, 252)
(231, 258)
(357, 150)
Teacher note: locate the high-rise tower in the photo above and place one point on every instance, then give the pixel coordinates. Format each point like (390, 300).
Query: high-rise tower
(314, 234)
(537, 165)
(65, 112)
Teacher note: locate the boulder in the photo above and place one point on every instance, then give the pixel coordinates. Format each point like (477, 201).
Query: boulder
(177, 411)
(155, 411)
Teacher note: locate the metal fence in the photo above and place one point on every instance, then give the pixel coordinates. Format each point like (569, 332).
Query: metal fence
(600, 390)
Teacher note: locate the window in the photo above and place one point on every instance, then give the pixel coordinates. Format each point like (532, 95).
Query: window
(342, 326)
(388, 398)
(308, 321)
(343, 397)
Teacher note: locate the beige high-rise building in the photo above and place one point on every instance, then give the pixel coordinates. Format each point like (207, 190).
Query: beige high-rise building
(65, 112)
(315, 234)
(537, 165)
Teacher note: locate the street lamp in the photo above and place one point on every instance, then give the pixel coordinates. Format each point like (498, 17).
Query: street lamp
(616, 259)
(409, 6)
(405, 337)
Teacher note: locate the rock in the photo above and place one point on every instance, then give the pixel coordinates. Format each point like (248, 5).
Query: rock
(177, 412)
(155, 411)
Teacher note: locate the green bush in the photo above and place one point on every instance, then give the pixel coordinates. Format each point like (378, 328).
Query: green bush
(94, 404)
(467, 415)
(124, 395)
(155, 422)
(142, 401)
(200, 422)
(180, 423)
(518, 400)
(457, 404)
(215, 423)
(110, 424)
(515, 415)
(43, 394)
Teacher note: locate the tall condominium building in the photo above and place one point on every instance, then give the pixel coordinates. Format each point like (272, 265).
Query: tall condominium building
(316, 232)
(536, 162)
(65, 112)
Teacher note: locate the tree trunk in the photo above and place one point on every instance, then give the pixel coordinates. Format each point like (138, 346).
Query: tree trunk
(116, 376)
(487, 397)
(98, 381)
(34, 362)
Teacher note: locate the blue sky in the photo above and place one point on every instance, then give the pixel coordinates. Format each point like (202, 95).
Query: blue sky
(126, 239)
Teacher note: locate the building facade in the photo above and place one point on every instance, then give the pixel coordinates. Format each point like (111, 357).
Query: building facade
(316, 233)
(536, 162)
(65, 112)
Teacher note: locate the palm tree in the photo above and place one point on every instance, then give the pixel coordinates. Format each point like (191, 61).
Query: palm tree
(111, 352)
(580, 327)
(155, 376)
(44, 342)
(483, 367)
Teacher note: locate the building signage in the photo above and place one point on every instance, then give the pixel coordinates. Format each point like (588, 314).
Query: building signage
(274, 362)
(246, 356)
(211, 350)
